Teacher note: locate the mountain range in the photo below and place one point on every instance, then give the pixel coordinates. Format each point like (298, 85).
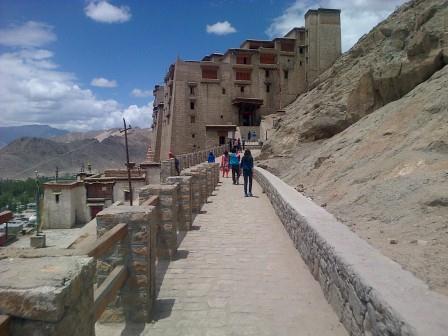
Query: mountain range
(68, 152)
(11, 133)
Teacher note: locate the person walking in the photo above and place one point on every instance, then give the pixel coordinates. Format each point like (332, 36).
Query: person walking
(238, 144)
(211, 158)
(235, 166)
(225, 164)
(244, 144)
(247, 165)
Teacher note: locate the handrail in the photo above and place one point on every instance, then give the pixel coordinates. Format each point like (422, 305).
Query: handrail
(4, 325)
(108, 289)
(153, 200)
(105, 242)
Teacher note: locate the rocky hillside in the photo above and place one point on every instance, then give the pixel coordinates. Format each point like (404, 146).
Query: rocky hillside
(23, 156)
(370, 140)
(11, 133)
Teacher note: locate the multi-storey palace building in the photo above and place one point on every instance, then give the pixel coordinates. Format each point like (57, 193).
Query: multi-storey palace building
(203, 103)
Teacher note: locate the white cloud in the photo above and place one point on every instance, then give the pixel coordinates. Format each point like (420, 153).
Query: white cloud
(358, 17)
(30, 34)
(220, 28)
(33, 89)
(141, 93)
(102, 11)
(103, 82)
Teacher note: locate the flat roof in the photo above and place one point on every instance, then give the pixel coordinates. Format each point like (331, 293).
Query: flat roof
(62, 184)
(324, 10)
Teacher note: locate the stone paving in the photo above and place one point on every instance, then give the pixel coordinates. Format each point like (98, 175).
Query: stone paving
(237, 273)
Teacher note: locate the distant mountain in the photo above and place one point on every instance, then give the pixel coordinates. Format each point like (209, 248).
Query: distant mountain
(11, 133)
(22, 157)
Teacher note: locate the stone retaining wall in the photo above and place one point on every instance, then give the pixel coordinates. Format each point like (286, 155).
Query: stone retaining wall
(48, 296)
(167, 219)
(137, 251)
(184, 200)
(371, 294)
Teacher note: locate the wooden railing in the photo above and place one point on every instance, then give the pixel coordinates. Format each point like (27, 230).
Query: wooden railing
(109, 288)
(4, 325)
(153, 200)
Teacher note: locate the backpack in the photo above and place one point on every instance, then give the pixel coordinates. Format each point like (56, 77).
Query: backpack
(234, 160)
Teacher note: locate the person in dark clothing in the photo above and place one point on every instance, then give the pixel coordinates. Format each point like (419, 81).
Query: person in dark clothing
(211, 158)
(244, 144)
(238, 145)
(176, 162)
(247, 165)
(249, 134)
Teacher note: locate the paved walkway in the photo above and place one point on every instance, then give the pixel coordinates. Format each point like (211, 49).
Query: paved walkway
(238, 274)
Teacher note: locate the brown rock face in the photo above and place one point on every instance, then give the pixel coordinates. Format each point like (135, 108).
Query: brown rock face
(370, 139)
(397, 55)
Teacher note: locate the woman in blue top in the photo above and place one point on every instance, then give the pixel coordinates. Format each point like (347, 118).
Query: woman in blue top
(234, 162)
(211, 158)
(247, 164)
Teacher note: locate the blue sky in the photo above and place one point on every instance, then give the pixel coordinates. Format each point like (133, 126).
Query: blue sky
(84, 64)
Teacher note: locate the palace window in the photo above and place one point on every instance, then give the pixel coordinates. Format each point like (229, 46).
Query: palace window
(192, 90)
(266, 73)
(287, 46)
(242, 75)
(242, 59)
(285, 74)
(191, 105)
(242, 89)
(268, 59)
(300, 50)
(210, 73)
(223, 91)
(56, 198)
(192, 119)
(268, 87)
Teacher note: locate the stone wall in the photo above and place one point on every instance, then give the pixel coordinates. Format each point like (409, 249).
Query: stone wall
(371, 294)
(137, 251)
(167, 218)
(48, 296)
(184, 200)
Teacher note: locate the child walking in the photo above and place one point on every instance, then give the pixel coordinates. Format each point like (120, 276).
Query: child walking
(225, 164)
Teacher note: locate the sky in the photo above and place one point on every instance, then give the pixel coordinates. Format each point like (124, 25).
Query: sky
(85, 64)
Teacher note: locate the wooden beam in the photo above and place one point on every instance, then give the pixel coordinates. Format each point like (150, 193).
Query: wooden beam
(108, 289)
(5, 216)
(107, 241)
(4, 325)
(153, 200)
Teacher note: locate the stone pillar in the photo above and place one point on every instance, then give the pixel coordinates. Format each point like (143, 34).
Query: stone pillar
(138, 250)
(184, 201)
(152, 170)
(216, 171)
(53, 297)
(202, 182)
(195, 190)
(209, 178)
(167, 169)
(167, 221)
